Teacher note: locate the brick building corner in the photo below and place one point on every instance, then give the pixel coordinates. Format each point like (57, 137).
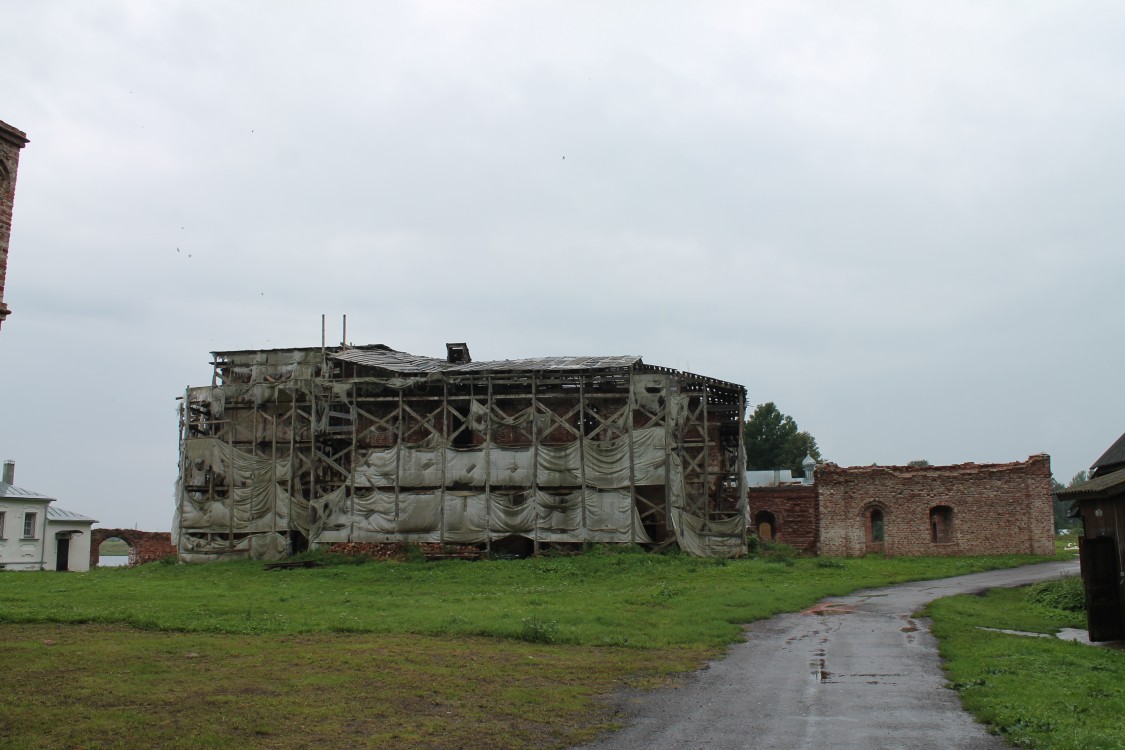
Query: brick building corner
(11, 141)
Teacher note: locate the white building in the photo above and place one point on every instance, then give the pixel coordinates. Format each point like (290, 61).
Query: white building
(36, 535)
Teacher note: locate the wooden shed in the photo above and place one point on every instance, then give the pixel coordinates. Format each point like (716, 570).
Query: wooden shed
(1100, 502)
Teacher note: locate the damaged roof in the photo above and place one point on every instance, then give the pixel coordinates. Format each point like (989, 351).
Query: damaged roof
(401, 362)
(1114, 456)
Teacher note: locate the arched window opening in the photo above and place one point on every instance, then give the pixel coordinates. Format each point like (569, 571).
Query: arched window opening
(114, 551)
(766, 525)
(941, 524)
(874, 523)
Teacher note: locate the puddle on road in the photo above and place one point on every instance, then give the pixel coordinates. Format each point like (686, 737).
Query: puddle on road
(1078, 635)
(829, 608)
(819, 667)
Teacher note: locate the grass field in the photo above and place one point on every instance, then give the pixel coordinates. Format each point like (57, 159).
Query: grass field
(114, 546)
(1039, 693)
(505, 654)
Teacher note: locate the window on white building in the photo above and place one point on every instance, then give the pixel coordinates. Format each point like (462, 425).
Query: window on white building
(1, 524)
(29, 525)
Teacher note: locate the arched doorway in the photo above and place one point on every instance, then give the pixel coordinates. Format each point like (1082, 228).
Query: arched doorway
(765, 524)
(113, 552)
(874, 528)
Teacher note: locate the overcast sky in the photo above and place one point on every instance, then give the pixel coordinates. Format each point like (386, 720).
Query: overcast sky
(901, 222)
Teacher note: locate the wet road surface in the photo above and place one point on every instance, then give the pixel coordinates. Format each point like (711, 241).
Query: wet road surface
(855, 672)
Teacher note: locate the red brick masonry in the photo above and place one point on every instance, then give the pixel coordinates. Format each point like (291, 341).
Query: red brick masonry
(964, 509)
(144, 546)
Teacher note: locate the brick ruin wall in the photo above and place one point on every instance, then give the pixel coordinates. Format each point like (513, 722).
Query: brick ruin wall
(794, 509)
(11, 141)
(144, 546)
(994, 508)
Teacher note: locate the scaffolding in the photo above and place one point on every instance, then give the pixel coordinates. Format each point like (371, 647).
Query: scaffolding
(295, 448)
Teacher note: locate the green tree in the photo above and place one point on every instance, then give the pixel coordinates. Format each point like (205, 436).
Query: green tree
(1063, 508)
(774, 441)
(918, 462)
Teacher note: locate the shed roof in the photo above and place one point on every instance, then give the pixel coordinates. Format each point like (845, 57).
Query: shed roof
(55, 513)
(1115, 454)
(1098, 488)
(19, 493)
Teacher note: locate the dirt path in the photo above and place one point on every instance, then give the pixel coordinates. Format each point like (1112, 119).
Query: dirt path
(853, 672)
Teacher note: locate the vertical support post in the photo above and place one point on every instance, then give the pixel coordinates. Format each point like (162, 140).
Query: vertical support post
(740, 468)
(292, 458)
(273, 460)
(630, 405)
(667, 413)
(443, 447)
(230, 479)
(582, 455)
(185, 434)
(354, 408)
(535, 455)
(488, 469)
(398, 460)
(706, 456)
(312, 448)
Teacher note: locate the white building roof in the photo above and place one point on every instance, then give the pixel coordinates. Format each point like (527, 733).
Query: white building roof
(18, 493)
(55, 513)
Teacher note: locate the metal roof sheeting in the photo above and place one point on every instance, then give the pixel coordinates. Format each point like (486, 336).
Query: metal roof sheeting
(18, 493)
(55, 513)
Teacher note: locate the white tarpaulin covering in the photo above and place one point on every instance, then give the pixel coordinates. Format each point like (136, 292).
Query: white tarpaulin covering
(580, 491)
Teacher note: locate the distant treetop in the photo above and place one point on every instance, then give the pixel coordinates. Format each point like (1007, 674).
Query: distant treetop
(773, 441)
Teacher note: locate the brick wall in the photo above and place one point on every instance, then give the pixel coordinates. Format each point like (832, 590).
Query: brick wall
(794, 509)
(11, 141)
(144, 546)
(978, 509)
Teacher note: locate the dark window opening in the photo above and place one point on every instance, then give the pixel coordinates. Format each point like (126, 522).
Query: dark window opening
(941, 524)
(766, 525)
(875, 526)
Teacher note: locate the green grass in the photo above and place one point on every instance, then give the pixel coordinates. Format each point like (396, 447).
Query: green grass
(114, 546)
(505, 654)
(1036, 692)
(619, 599)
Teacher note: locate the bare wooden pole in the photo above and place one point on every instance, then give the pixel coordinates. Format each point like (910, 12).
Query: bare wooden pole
(398, 460)
(353, 408)
(488, 469)
(669, 426)
(630, 405)
(582, 455)
(292, 458)
(535, 457)
(444, 457)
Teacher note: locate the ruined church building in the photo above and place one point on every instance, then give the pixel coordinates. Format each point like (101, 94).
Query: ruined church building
(295, 448)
